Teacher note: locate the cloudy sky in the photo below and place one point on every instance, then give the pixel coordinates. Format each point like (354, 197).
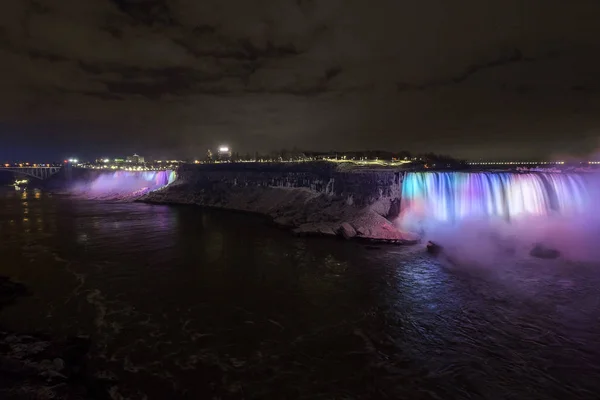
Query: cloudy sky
(473, 78)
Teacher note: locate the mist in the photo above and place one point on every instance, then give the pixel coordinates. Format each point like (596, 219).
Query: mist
(450, 215)
(489, 243)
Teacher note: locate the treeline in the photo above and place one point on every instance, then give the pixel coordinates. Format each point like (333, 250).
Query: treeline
(362, 155)
(441, 161)
(430, 160)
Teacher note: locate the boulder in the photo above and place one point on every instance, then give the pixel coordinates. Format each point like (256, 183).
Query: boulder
(326, 231)
(283, 222)
(434, 248)
(541, 251)
(10, 290)
(323, 229)
(347, 231)
(363, 231)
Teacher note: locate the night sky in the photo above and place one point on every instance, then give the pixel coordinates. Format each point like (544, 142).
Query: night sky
(471, 78)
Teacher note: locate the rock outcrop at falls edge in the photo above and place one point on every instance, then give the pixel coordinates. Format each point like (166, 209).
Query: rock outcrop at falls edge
(309, 198)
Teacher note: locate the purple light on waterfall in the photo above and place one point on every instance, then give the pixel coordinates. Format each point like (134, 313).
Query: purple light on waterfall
(125, 184)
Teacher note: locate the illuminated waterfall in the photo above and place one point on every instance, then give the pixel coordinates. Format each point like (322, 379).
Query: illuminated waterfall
(125, 184)
(454, 196)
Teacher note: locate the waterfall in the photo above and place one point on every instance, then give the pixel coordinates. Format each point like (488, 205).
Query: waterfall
(454, 196)
(124, 184)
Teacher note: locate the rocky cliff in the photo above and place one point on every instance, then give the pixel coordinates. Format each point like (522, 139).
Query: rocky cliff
(310, 198)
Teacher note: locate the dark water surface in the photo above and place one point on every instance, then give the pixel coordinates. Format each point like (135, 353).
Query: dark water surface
(184, 303)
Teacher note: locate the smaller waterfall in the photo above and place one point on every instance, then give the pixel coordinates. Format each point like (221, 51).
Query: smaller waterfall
(125, 184)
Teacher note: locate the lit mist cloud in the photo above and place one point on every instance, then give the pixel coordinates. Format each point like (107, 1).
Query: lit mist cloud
(494, 219)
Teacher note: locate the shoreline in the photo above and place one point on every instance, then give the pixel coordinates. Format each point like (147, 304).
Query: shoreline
(309, 199)
(287, 228)
(302, 211)
(41, 366)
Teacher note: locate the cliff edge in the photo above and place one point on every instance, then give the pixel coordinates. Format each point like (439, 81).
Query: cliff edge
(309, 198)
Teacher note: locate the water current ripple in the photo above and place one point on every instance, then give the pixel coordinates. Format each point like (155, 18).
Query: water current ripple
(184, 303)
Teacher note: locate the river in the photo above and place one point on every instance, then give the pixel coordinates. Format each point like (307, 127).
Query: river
(186, 303)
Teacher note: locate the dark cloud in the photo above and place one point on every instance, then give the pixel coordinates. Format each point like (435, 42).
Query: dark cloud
(494, 78)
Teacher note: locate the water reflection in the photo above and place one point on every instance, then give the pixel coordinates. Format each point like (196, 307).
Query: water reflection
(228, 304)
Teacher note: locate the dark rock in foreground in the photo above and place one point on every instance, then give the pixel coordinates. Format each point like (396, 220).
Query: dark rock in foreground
(37, 366)
(433, 248)
(10, 290)
(347, 230)
(541, 251)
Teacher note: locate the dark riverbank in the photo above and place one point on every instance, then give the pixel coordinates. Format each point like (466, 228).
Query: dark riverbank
(39, 366)
(309, 198)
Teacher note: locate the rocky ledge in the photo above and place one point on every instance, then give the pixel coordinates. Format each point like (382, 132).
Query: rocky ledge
(304, 211)
(38, 366)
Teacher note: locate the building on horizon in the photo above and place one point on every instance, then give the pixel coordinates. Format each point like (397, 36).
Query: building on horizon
(224, 153)
(135, 159)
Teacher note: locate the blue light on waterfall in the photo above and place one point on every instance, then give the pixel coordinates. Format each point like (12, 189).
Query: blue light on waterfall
(452, 196)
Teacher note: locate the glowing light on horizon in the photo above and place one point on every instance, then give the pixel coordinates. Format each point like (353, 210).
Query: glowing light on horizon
(516, 163)
(223, 149)
(453, 196)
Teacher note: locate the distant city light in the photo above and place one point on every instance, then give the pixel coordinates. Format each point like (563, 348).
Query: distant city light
(223, 149)
(73, 160)
(515, 162)
(106, 160)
